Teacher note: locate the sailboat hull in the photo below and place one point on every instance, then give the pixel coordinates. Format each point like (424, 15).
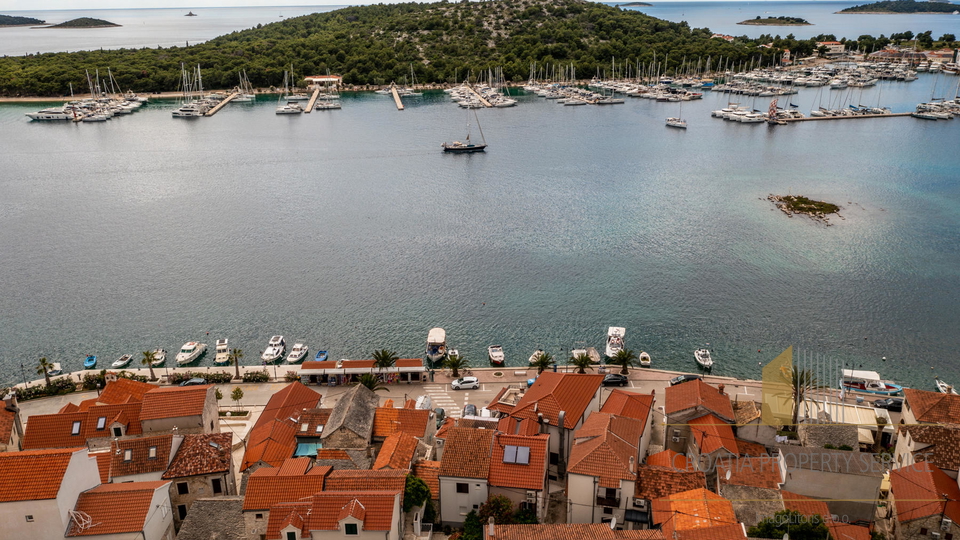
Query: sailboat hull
(464, 149)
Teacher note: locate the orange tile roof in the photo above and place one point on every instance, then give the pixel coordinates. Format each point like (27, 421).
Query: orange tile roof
(352, 509)
(732, 531)
(466, 453)
(429, 472)
(669, 458)
(329, 507)
(606, 446)
(103, 465)
(938, 444)
(807, 506)
(289, 402)
(294, 467)
(654, 482)
(33, 475)
(531, 475)
(518, 426)
(747, 448)
(116, 508)
(55, 430)
(630, 404)
(713, 434)
(121, 391)
(397, 451)
(284, 514)
(408, 362)
(312, 418)
(174, 402)
(367, 480)
(571, 531)
(693, 394)
(332, 453)
(923, 490)
(201, 454)
(555, 392)
(847, 531)
(271, 443)
(694, 509)
(932, 407)
(762, 472)
(496, 405)
(389, 420)
(140, 461)
(266, 487)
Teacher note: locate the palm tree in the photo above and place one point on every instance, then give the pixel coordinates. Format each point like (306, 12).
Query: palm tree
(625, 358)
(235, 356)
(148, 358)
(542, 361)
(43, 368)
(801, 381)
(455, 362)
(582, 362)
(384, 359)
(371, 382)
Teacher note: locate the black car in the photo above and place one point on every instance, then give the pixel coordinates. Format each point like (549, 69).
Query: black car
(684, 378)
(615, 379)
(891, 404)
(193, 382)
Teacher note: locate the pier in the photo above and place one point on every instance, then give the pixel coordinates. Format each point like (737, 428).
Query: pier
(889, 115)
(479, 97)
(313, 100)
(221, 105)
(396, 96)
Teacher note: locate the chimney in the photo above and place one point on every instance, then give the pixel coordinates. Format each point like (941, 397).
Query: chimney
(490, 527)
(720, 387)
(10, 402)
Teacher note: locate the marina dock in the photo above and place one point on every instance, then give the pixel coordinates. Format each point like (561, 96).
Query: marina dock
(479, 97)
(313, 100)
(396, 96)
(890, 115)
(220, 105)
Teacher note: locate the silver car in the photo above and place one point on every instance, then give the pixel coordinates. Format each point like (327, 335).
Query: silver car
(465, 383)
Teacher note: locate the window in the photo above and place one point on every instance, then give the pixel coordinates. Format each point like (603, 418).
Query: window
(152, 452)
(554, 458)
(118, 431)
(217, 487)
(607, 510)
(319, 429)
(258, 517)
(75, 430)
(182, 511)
(304, 427)
(182, 488)
(611, 493)
(350, 529)
(128, 455)
(463, 488)
(29, 518)
(101, 422)
(923, 531)
(948, 536)
(291, 535)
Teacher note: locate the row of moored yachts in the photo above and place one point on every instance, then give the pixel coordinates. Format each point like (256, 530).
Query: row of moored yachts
(91, 110)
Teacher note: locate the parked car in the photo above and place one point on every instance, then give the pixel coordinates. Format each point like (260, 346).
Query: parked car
(465, 383)
(684, 378)
(440, 414)
(615, 379)
(193, 382)
(891, 404)
(469, 410)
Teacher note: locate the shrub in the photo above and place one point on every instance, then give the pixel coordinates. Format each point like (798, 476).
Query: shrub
(256, 376)
(292, 376)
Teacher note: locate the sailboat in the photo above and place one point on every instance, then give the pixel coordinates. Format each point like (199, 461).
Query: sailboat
(290, 107)
(466, 147)
(678, 122)
(244, 90)
(295, 94)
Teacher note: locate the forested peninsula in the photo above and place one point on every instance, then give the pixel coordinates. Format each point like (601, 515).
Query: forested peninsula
(903, 6)
(376, 44)
(9, 20)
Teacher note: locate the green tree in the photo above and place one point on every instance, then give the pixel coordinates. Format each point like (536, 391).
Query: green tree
(499, 507)
(235, 356)
(791, 522)
(236, 396)
(371, 382)
(625, 358)
(582, 362)
(43, 368)
(822, 50)
(948, 38)
(542, 361)
(455, 363)
(415, 493)
(800, 381)
(217, 393)
(384, 359)
(472, 528)
(148, 358)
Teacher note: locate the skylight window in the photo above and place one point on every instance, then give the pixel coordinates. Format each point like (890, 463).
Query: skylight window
(75, 430)
(128, 455)
(319, 429)
(101, 422)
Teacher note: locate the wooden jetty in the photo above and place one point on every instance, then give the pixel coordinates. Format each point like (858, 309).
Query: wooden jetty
(313, 100)
(396, 96)
(479, 97)
(220, 105)
(812, 118)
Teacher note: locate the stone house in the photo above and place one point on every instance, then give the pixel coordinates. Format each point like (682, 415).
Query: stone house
(750, 426)
(809, 507)
(180, 409)
(141, 459)
(220, 518)
(201, 468)
(937, 444)
(849, 482)
(923, 407)
(633, 405)
(925, 503)
(697, 512)
(351, 422)
(267, 486)
(654, 482)
(689, 401)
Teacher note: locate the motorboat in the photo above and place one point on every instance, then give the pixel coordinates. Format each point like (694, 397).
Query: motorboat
(222, 357)
(275, 349)
(190, 351)
(536, 354)
(453, 352)
(53, 113)
(321, 356)
(55, 369)
(868, 382)
(123, 361)
(159, 357)
(644, 359)
(495, 352)
(297, 353)
(291, 107)
(90, 362)
(945, 388)
(703, 358)
(615, 340)
(436, 344)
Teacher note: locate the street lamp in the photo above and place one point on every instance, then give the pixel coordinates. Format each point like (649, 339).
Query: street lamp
(98, 389)
(24, 374)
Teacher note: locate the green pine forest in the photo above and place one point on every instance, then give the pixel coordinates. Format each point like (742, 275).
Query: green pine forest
(377, 44)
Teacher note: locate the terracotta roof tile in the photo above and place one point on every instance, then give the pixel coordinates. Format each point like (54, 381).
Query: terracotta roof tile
(288, 513)
(694, 509)
(923, 490)
(847, 531)
(466, 454)
(56, 430)
(429, 472)
(713, 434)
(353, 509)
(693, 394)
(6, 424)
(366, 480)
(518, 426)
(630, 404)
(271, 443)
(511, 474)
(670, 459)
(572, 531)
(938, 444)
(397, 451)
(732, 531)
(807, 506)
(310, 419)
(496, 405)
(103, 465)
(762, 472)
(266, 487)
(332, 453)
(748, 448)
(289, 401)
(329, 507)
(745, 412)
(654, 482)
(932, 407)
(201, 454)
(388, 420)
(294, 467)
(73, 407)
(555, 392)
(33, 474)
(122, 391)
(606, 446)
(174, 402)
(138, 451)
(116, 508)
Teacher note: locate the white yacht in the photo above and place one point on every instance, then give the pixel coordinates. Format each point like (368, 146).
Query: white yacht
(495, 353)
(644, 359)
(222, 357)
(614, 340)
(159, 357)
(297, 353)
(292, 107)
(190, 110)
(703, 358)
(436, 344)
(275, 349)
(53, 113)
(190, 351)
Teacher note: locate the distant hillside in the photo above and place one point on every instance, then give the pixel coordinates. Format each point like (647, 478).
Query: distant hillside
(8, 20)
(85, 22)
(903, 6)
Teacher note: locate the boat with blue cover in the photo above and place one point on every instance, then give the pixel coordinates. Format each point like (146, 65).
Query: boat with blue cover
(321, 356)
(90, 362)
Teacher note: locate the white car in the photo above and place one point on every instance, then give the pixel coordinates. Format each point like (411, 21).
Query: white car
(465, 383)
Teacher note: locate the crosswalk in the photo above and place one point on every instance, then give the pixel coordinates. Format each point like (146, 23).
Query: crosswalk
(440, 398)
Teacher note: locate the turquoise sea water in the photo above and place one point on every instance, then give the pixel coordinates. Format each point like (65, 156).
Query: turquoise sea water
(351, 231)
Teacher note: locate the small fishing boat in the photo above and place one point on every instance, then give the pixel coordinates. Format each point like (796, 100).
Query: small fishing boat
(159, 357)
(644, 359)
(703, 358)
(222, 356)
(945, 388)
(495, 352)
(123, 361)
(275, 349)
(90, 362)
(190, 351)
(453, 352)
(868, 382)
(614, 340)
(436, 344)
(55, 369)
(536, 354)
(321, 356)
(297, 353)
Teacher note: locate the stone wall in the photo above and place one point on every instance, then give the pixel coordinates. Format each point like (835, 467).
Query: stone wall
(817, 435)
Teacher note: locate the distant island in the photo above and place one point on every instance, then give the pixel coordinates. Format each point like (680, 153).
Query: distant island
(8, 20)
(798, 204)
(636, 4)
(903, 6)
(190, 14)
(85, 22)
(776, 21)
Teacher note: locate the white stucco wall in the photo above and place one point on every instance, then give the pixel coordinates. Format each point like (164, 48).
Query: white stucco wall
(454, 506)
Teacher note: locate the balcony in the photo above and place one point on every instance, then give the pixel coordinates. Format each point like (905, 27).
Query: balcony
(608, 501)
